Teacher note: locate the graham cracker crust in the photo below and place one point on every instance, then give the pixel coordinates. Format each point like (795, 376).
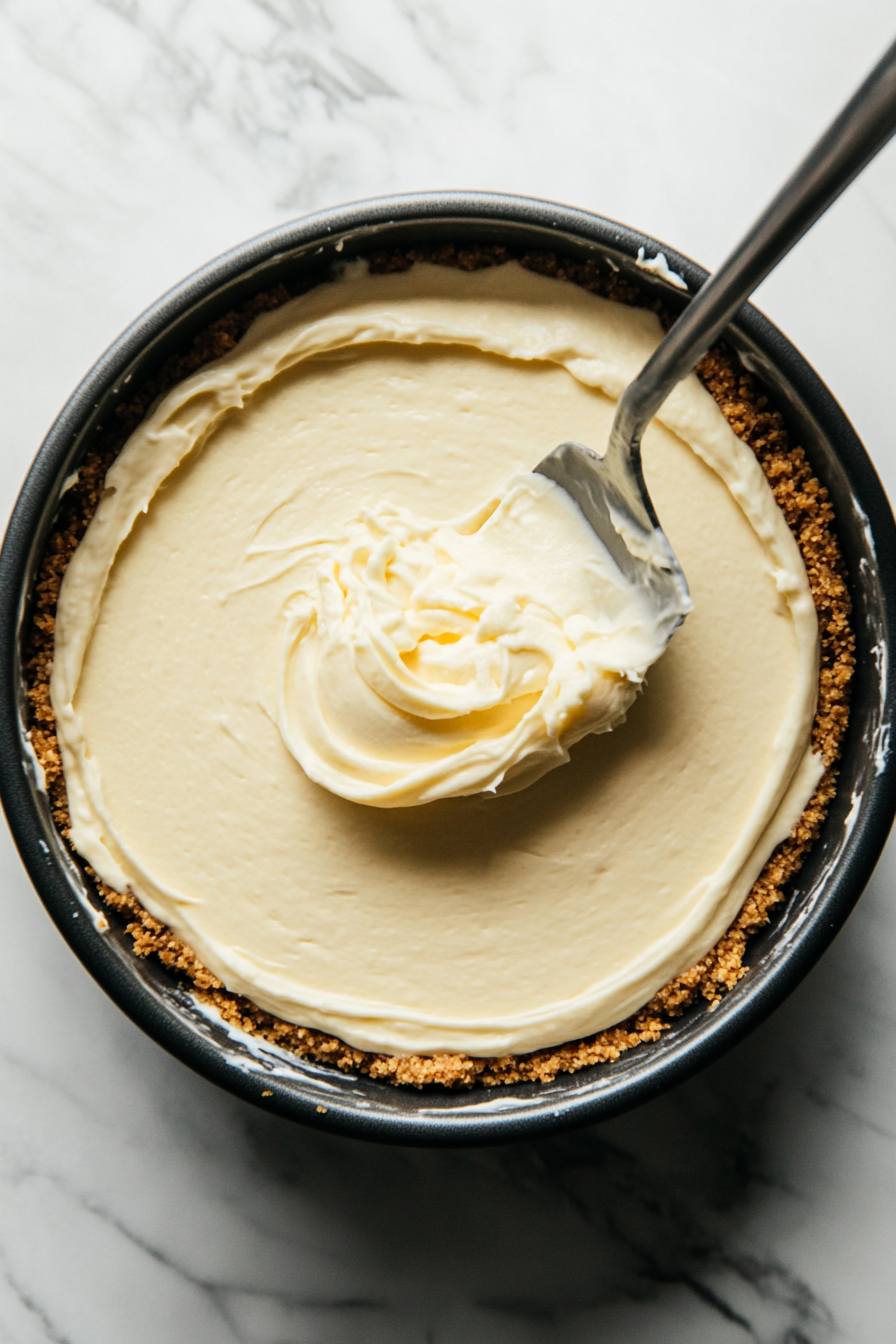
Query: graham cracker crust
(810, 517)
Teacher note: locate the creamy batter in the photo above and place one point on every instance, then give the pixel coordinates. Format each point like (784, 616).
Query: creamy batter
(426, 660)
(482, 924)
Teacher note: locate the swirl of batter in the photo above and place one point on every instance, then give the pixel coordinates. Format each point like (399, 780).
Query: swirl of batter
(425, 660)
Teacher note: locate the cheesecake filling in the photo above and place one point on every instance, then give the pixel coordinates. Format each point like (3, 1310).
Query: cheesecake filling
(226, 641)
(425, 659)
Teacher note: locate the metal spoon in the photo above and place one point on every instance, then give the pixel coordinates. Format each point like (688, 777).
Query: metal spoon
(610, 490)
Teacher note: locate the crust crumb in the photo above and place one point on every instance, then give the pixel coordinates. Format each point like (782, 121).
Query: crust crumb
(809, 514)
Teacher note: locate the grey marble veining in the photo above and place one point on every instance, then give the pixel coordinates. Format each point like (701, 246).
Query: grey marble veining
(137, 1203)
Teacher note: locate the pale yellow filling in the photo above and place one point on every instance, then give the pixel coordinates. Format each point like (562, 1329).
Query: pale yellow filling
(425, 659)
(475, 923)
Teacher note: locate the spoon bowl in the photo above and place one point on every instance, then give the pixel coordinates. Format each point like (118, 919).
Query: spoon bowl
(611, 493)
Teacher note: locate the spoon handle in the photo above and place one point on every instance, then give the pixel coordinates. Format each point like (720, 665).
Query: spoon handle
(850, 142)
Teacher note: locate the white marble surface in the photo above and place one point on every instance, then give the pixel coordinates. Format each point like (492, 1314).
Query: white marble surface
(138, 1203)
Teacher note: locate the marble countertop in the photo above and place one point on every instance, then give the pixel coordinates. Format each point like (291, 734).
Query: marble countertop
(137, 1202)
